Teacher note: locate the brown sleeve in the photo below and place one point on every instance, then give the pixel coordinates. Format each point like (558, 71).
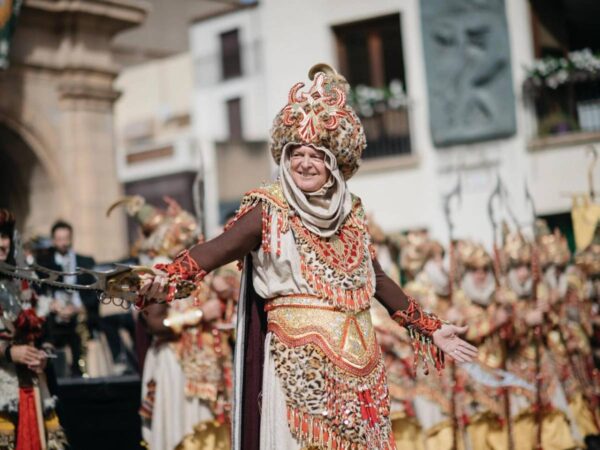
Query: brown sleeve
(387, 292)
(235, 243)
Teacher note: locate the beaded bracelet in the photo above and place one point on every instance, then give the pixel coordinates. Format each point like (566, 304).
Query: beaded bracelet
(421, 326)
(184, 268)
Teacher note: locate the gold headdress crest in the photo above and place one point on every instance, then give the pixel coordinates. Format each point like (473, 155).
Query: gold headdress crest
(417, 249)
(516, 249)
(375, 231)
(321, 117)
(473, 256)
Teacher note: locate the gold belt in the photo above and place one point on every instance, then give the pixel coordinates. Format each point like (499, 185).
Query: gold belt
(347, 338)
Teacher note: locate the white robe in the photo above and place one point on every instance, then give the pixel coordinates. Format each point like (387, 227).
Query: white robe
(174, 415)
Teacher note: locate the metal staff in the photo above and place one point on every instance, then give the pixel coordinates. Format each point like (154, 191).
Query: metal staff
(537, 332)
(500, 193)
(456, 192)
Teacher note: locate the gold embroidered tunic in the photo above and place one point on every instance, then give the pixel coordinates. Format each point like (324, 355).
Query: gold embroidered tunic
(318, 295)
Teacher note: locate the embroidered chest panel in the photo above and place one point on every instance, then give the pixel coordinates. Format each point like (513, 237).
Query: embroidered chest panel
(339, 268)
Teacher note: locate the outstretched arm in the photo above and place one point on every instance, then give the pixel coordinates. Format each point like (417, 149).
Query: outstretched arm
(235, 243)
(193, 264)
(425, 328)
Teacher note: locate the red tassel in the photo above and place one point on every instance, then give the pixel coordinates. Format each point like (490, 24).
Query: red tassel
(28, 435)
(29, 325)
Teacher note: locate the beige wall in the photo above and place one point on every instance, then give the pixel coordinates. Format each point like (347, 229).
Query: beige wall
(241, 167)
(153, 93)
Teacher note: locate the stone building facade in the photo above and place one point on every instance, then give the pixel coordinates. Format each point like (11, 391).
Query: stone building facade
(56, 120)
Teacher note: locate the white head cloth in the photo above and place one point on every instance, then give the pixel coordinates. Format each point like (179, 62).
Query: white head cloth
(322, 211)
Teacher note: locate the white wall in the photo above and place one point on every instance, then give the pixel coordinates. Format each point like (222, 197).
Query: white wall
(210, 122)
(296, 34)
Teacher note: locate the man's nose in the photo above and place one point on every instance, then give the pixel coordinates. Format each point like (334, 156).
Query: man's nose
(306, 161)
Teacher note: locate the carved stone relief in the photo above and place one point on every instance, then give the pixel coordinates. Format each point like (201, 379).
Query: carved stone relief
(467, 58)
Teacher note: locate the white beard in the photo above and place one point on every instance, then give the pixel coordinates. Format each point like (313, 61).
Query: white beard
(482, 295)
(522, 290)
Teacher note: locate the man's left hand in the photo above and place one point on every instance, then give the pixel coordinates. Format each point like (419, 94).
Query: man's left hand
(447, 340)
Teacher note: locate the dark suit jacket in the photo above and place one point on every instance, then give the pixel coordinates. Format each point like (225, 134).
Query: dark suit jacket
(89, 299)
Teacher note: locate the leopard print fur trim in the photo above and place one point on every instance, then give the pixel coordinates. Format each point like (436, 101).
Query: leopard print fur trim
(328, 407)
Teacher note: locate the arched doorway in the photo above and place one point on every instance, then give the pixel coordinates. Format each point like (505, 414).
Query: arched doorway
(26, 189)
(17, 163)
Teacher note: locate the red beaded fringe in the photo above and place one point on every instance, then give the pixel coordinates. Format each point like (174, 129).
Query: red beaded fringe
(267, 213)
(147, 406)
(355, 299)
(421, 326)
(312, 431)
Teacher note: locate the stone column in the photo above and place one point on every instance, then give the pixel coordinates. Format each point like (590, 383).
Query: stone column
(68, 43)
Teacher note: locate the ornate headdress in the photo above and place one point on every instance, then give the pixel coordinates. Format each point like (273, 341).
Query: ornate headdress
(473, 256)
(322, 118)
(553, 247)
(516, 249)
(417, 249)
(414, 252)
(166, 233)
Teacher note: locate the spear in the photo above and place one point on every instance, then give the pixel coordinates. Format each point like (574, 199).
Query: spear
(535, 273)
(456, 192)
(500, 193)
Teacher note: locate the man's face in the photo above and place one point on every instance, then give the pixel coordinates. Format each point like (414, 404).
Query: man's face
(480, 275)
(4, 246)
(308, 168)
(61, 240)
(523, 273)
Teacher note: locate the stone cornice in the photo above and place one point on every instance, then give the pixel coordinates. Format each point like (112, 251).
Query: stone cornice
(72, 41)
(117, 15)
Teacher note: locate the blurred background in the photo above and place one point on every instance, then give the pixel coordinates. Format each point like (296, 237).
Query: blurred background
(100, 99)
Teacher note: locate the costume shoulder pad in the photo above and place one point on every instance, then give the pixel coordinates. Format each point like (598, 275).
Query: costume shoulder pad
(357, 217)
(270, 193)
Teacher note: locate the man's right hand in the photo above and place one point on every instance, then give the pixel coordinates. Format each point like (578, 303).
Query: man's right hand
(27, 355)
(154, 286)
